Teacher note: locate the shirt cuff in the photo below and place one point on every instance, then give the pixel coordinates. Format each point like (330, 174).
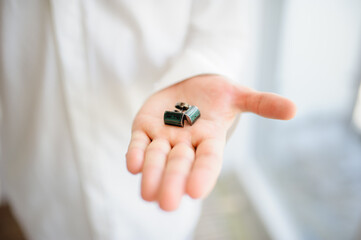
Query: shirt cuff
(192, 63)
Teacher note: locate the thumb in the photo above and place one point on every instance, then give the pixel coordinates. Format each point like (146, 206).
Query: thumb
(265, 104)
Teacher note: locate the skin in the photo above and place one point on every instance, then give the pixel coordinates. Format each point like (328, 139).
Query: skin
(176, 161)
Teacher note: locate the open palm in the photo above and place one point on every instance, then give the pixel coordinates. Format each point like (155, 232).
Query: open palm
(175, 161)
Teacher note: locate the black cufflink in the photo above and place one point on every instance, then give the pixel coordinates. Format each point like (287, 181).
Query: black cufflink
(182, 112)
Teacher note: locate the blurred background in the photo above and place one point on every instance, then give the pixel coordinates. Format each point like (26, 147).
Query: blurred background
(299, 179)
(303, 177)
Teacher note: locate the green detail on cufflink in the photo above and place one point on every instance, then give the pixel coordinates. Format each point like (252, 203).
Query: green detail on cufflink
(183, 112)
(174, 118)
(192, 114)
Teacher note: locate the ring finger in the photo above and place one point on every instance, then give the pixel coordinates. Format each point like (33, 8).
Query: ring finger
(154, 163)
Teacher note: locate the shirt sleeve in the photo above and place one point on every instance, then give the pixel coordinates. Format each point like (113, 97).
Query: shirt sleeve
(213, 44)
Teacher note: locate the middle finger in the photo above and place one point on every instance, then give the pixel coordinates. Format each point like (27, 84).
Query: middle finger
(179, 163)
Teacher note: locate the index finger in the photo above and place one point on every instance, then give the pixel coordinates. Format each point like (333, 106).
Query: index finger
(206, 168)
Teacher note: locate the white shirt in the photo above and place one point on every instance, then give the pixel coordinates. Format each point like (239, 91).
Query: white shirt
(72, 76)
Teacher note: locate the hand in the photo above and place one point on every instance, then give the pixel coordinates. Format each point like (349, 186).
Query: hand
(175, 161)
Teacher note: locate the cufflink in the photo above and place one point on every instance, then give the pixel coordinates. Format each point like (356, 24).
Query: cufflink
(182, 112)
(192, 114)
(175, 118)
